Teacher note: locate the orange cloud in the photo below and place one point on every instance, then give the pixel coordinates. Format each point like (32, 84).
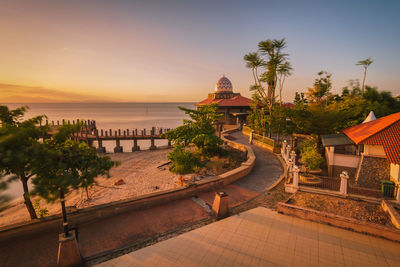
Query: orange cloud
(11, 93)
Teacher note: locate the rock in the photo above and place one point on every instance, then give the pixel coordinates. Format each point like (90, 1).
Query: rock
(119, 182)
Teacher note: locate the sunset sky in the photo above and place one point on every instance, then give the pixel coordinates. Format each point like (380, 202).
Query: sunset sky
(159, 51)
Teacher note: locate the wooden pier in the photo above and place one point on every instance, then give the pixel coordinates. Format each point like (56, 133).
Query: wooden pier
(89, 133)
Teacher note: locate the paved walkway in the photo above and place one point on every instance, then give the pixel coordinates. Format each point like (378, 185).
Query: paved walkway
(261, 237)
(266, 171)
(125, 229)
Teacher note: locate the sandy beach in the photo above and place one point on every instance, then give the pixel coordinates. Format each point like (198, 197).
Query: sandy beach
(137, 175)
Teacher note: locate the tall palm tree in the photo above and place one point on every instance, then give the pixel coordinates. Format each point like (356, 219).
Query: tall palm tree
(365, 63)
(253, 62)
(284, 70)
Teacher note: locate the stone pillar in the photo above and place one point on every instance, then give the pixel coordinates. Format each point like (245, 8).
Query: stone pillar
(251, 137)
(288, 149)
(68, 251)
(283, 149)
(152, 147)
(344, 176)
(220, 205)
(135, 146)
(293, 156)
(296, 171)
(118, 148)
(290, 169)
(100, 148)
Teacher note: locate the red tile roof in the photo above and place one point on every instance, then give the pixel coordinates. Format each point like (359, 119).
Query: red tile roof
(360, 132)
(384, 131)
(237, 101)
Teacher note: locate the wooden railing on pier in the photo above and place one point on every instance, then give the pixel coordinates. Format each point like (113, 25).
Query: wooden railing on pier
(89, 133)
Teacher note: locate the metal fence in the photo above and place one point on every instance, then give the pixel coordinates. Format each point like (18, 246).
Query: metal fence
(321, 182)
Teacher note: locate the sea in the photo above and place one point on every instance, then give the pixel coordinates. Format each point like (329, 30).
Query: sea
(108, 116)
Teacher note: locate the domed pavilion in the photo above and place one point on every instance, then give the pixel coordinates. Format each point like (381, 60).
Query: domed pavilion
(234, 106)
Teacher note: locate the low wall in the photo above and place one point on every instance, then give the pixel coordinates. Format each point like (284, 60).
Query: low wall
(259, 143)
(77, 217)
(339, 221)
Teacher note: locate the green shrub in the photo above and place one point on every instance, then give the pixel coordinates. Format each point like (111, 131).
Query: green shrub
(311, 158)
(183, 161)
(309, 153)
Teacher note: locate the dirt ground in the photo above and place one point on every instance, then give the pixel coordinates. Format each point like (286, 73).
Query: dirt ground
(357, 209)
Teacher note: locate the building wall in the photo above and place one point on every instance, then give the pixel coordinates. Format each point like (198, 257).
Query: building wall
(395, 172)
(374, 150)
(371, 171)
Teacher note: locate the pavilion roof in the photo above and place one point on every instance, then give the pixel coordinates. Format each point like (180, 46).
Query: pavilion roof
(237, 101)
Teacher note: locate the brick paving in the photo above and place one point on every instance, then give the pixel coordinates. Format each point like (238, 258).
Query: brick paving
(262, 237)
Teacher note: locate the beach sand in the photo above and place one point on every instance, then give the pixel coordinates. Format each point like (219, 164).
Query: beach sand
(138, 172)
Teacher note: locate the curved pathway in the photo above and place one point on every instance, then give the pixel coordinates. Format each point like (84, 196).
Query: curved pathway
(266, 171)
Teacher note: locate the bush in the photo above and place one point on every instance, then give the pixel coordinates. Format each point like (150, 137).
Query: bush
(309, 153)
(183, 161)
(312, 159)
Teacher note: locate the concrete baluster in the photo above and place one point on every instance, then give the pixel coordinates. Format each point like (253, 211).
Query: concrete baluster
(296, 171)
(344, 176)
(283, 148)
(251, 137)
(288, 149)
(293, 156)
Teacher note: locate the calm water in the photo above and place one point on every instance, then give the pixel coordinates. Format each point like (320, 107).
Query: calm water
(110, 116)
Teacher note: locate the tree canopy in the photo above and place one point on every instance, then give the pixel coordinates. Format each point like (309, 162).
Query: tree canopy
(198, 132)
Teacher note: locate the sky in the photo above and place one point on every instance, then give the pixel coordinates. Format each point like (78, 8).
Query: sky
(175, 51)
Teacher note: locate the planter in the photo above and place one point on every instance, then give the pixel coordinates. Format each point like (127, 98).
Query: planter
(306, 178)
(316, 171)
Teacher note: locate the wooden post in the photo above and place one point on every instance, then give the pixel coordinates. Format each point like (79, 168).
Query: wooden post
(136, 132)
(58, 123)
(101, 132)
(124, 133)
(100, 148)
(127, 132)
(118, 148)
(169, 143)
(110, 132)
(144, 131)
(119, 132)
(152, 146)
(135, 145)
(52, 123)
